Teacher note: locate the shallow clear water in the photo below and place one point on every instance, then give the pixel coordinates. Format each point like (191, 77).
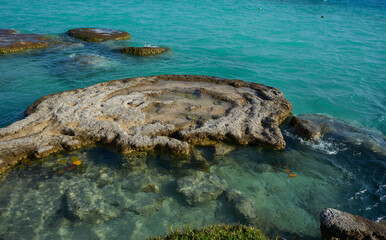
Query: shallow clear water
(334, 65)
(110, 196)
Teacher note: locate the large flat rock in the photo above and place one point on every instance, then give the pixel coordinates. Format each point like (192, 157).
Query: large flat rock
(170, 112)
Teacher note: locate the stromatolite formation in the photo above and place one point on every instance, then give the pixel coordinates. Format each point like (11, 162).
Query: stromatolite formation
(143, 51)
(11, 42)
(98, 34)
(171, 112)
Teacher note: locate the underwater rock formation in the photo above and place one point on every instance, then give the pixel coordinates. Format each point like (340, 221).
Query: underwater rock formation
(335, 224)
(98, 34)
(201, 187)
(143, 51)
(242, 205)
(169, 112)
(319, 127)
(85, 203)
(10, 41)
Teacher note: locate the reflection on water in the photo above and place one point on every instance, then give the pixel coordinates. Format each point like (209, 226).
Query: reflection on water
(96, 193)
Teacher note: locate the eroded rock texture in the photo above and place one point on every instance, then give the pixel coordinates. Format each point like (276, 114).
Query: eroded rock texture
(98, 34)
(335, 224)
(171, 112)
(11, 42)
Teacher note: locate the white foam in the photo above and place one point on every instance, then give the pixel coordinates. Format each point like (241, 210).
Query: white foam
(321, 145)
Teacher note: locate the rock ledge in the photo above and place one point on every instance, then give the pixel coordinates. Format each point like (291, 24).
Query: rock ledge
(170, 112)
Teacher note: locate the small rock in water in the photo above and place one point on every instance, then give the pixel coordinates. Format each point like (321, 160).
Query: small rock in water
(201, 187)
(98, 34)
(306, 128)
(143, 51)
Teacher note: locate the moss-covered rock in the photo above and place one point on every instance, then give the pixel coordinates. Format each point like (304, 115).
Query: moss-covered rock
(143, 51)
(11, 42)
(98, 34)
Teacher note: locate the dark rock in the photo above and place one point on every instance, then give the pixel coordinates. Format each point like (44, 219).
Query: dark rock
(363, 139)
(201, 187)
(7, 31)
(11, 42)
(98, 34)
(143, 51)
(335, 224)
(242, 205)
(148, 112)
(306, 128)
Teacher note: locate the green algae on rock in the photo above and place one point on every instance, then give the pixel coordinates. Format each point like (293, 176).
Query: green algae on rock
(143, 51)
(144, 113)
(10, 41)
(98, 34)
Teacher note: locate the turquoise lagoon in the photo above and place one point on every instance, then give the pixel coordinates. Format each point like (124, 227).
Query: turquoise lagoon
(333, 65)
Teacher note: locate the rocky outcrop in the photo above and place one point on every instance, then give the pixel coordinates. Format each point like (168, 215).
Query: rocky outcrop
(201, 187)
(143, 51)
(98, 34)
(11, 42)
(335, 224)
(168, 112)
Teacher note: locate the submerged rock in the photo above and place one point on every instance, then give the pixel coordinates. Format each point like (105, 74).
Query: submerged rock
(98, 34)
(145, 204)
(242, 205)
(306, 128)
(201, 187)
(168, 112)
(335, 224)
(87, 204)
(11, 42)
(319, 127)
(143, 51)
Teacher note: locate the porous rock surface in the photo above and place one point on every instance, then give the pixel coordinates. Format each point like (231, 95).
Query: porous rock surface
(143, 51)
(201, 187)
(171, 112)
(11, 42)
(335, 224)
(98, 34)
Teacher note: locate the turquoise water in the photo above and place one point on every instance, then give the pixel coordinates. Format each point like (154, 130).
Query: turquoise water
(333, 65)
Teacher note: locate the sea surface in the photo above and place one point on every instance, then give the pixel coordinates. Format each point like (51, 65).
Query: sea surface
(335, 66)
